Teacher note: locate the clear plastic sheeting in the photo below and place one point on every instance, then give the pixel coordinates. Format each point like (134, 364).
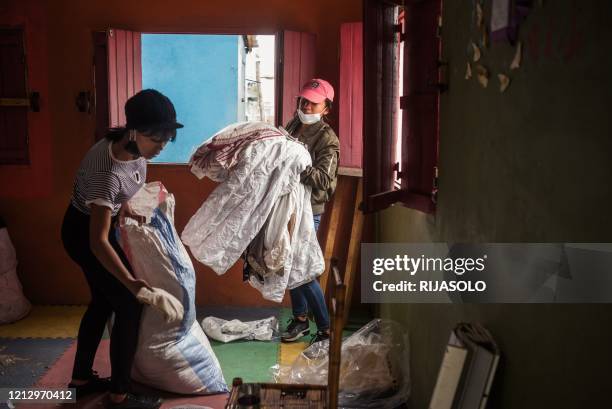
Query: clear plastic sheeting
(374, 369)
(227, 331)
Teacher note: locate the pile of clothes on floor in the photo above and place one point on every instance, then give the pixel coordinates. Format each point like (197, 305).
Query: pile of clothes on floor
(259, 211)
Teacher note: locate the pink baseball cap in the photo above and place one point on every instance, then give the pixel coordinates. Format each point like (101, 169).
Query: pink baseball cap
(316, 90)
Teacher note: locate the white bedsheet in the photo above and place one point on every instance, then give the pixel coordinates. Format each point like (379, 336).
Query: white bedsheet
(266, 176)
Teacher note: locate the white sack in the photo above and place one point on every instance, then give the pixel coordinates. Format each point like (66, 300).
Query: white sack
(13, 304)
(233, 214)
(175, 357)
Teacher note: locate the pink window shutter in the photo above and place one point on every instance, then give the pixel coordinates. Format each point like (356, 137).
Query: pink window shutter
(298, 63)
(101, 83)
(350, 101)
(124, 71)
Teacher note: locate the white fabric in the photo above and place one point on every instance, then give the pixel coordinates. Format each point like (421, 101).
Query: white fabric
(100, 202)
(299, 253)
(13, 304)
(234, 327)
(175, 357)
(227, 331)
(270, 250)
(236, 210)
(308, 119)
(223, 150)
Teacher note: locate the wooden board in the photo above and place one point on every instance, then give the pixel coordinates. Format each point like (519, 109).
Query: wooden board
(276, 395)
(352, 267)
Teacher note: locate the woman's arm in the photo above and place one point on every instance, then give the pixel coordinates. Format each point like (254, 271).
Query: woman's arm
(99, 228)
(127, 211)
(323, 169)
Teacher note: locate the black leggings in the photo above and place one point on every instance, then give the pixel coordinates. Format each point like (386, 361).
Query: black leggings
(107, 295)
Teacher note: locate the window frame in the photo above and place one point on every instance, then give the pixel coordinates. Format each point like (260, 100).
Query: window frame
(418, 105)
(22, 103)
(35, 179)
(284, 88)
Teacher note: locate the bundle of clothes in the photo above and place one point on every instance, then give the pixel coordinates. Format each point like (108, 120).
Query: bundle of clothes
(259, 211)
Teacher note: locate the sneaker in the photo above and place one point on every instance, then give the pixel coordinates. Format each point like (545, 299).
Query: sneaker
(95, 385)
(319, 336)
(132, 401)
(295, 330)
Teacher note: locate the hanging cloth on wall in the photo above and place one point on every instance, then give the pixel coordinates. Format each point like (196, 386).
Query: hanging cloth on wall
(506, 16)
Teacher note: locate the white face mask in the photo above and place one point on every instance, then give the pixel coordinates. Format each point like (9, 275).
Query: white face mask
(308, 119)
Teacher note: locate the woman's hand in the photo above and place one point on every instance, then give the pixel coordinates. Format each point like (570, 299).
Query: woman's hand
(126, 211)
(136, 284)
(164, 302)
(99, 229)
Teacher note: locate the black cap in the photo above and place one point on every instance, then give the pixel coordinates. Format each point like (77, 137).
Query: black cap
(150, 109)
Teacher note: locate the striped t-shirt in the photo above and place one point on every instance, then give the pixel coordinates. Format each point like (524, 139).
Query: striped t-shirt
(106, 181)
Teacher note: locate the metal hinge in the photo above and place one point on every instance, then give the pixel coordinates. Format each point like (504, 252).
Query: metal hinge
(14, 102)
(399, 174)
(434, 190)
(399, 29)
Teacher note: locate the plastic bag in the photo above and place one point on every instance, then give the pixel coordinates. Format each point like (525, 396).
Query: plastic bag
(172, 356)
(13, 304)
(373, 370)
(227, 331)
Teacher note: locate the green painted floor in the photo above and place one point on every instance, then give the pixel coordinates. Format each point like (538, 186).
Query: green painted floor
(249, 360)
(252, 360)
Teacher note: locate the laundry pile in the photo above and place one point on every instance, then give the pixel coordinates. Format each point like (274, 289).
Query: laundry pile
(227, 331)
(260, 210)
(175, 356)
(13, 304)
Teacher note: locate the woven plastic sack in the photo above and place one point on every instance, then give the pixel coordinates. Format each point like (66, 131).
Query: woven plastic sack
(176, 357)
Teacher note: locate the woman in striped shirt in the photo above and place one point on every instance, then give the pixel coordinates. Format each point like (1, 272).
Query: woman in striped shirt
(111, 173)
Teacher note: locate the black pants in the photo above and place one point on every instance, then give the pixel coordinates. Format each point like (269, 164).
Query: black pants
(107, 295)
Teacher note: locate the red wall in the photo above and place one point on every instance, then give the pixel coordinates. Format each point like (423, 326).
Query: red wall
(32, 180)
(47, 274)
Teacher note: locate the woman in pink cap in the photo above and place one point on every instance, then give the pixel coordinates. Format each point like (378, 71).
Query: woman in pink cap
(309, 126)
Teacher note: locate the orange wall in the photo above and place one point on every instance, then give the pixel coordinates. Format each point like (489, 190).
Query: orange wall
(48, 276)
